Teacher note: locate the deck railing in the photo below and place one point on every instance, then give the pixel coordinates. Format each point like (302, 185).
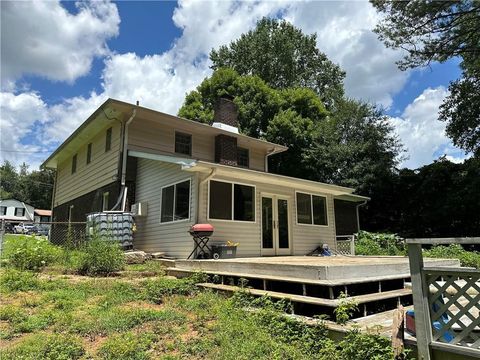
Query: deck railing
(446, 302)
(345, 244)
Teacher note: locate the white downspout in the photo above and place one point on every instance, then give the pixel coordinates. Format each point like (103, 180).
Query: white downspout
(358, 215)
(270, 153)
(200, 186)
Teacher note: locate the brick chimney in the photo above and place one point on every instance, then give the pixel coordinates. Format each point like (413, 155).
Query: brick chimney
(226, 118)
(225, 115)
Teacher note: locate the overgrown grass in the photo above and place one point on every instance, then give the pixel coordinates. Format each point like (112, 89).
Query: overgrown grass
(161, 318)
(374, 244)
(455, 251)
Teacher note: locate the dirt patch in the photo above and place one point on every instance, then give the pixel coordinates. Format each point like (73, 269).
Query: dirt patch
(93, 343)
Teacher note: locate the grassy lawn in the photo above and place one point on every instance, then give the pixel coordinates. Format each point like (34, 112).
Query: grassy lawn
(49, 311)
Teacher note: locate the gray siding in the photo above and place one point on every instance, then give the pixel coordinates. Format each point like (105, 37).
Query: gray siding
(152, 235)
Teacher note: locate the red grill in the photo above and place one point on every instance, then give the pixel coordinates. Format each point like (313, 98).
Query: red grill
(201, 235)
(201, 230)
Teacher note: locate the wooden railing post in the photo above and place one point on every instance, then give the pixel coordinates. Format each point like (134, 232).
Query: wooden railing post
(420, 290)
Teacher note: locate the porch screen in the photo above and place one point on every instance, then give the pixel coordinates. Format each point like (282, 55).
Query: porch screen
(230, 201)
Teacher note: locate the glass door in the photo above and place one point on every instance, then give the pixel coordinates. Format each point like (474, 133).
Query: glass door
(275, 226)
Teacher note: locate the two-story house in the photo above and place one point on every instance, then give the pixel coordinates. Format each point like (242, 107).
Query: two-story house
(184, 172)
(15, 211)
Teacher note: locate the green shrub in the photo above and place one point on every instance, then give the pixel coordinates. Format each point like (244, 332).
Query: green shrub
(356, 345)
(379, 244)
(344, 311)
(29, 252)
(101, 257)
(47, 347)
(16, 280)
(128, 346)
(455, 251)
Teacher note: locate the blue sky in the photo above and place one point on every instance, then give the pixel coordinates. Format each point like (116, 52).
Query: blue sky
(63, 59)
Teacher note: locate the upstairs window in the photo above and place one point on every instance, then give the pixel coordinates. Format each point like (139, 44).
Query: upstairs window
(19, 211)
(183, 143)
(3, 210)
(89, 153)
(175, 203)
(108, 139)
(311, 209)
(230, 201)
(74, 164)
(243, 157)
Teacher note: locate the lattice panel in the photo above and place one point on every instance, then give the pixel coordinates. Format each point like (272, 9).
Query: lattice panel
(454, 303)
(344, 246)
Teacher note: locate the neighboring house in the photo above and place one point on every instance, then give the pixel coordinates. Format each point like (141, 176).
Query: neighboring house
(42, 216)
(12, 210)
(184, 172)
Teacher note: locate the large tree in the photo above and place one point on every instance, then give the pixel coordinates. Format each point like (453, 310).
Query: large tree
(438, 31)
(353, 146)
(31, 187)
(284, 57)
(437, 200)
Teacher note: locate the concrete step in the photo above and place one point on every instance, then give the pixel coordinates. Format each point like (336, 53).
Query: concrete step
(360, 299)
(339, 282)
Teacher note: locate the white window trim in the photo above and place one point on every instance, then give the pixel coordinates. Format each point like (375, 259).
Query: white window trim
(233, 196)
(174, 200)
(175, 131)
(311, 208)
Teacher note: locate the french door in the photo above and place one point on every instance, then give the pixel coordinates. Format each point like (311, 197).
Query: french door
(275, 225)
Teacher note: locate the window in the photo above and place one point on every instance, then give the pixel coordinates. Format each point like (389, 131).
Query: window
(105, 199)
(108, 140)
(183, 143)
(230, 201)
(3, 210)
(74, 164)
(19, 211)
(175, 204)
(311, 209)
(243, 157)
(89, 153)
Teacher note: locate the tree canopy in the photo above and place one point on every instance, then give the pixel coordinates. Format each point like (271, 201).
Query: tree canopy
(33, 188)
(353, 146)
(437, 200)
(438, 31)
(284, 57)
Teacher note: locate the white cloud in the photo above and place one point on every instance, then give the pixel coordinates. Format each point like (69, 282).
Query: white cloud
(19, 116)
(42, 38)
(344, 33)
(422, 133)
(160, 81)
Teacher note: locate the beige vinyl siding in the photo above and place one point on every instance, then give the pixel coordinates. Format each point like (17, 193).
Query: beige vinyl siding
(303, 238)
(159, 137)
(102, 170)
(152, 235)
